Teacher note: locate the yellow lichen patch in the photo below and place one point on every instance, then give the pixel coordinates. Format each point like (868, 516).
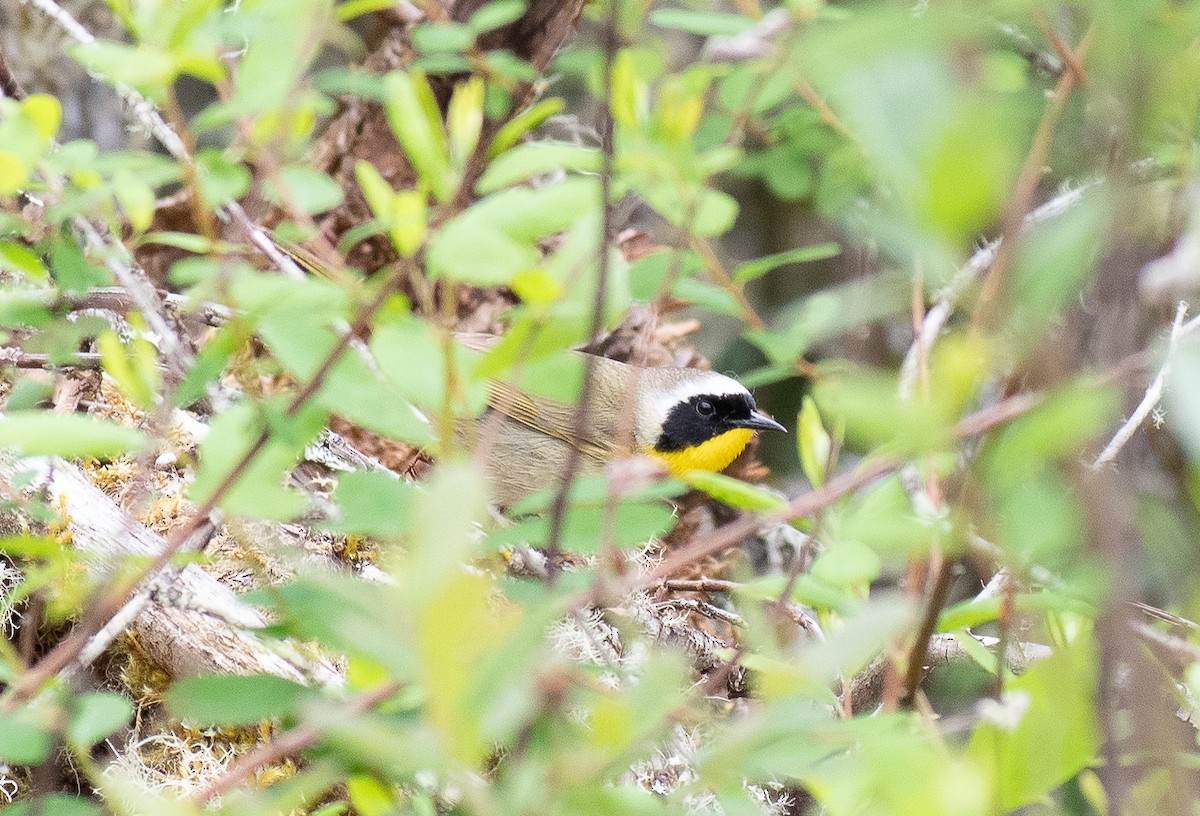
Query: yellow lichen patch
(164, 513)
(277, 772)
(111, 476)
(116, 406)
(356, 549)
(145, 680)
(60, 527)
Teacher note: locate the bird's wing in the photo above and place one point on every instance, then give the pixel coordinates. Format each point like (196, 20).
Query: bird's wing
(553, 418)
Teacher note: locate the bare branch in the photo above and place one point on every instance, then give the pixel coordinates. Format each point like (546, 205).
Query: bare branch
(1153, 394)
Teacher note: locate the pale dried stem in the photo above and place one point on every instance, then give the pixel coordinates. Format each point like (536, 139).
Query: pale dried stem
(1154, 393)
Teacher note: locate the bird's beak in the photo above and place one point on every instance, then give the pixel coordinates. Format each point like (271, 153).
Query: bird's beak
(760, 422)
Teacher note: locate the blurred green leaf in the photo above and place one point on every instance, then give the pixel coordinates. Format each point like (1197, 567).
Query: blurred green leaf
(37, 432)
(373, 503)
(734, 492)
(536, 158)
(704, 23)
(53, 804)
(413, 115)
(752, 270)
(495, 14)
(96, 715)
(813, 443)
(1044, 730)
(257, 488)
(232, 699)
(304, 189)
(369, 796)
(23, 739)
(496, 238)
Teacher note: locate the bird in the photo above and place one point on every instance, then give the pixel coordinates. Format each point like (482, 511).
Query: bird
(686, 418)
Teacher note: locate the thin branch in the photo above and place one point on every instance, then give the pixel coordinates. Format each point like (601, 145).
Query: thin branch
(286, 744)
(699, 585)
(703, 608)
(116, 299)
(933, 608)
(8, 82)
(1027, 181)
(13, 356)
(583, 415)
(938, 314)
(1060, 46)
(866, 688)
(1153, 394)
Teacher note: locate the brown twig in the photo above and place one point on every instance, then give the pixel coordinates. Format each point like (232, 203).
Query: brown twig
(286, 744)
(699, 585)
(1071, 61)
(916, 655)
(583, 415)
(1022, 197)
(721, 277)
(8, 82)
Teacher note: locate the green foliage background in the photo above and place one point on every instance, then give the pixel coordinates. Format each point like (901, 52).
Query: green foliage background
(823, 183)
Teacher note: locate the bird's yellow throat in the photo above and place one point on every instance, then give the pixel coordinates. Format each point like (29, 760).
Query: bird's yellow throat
(713, 454)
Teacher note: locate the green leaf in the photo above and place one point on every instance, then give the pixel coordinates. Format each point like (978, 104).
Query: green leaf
(432, 38)
(15, 257)
(147, 68)
(71, 435)
(412, 113)
(752, 270)
(133, 366)
(136, 198)
(44, 112)
(702, 23)
(494, 14)
(734, 492)
(374, 186)
(464, 120)
(303, 188)
(369, 796)
(72, 270)
(813, 442)
(97, 714)
(23, 741)
(497, 237)
(847, 564)
(232, 699)
(533, 159)
(512, 130)
(189, 241)
(259, 490)
(714, 212)
(356, 8)
(222, 178)
(373, 503)
(1047, 730)
(53, 804)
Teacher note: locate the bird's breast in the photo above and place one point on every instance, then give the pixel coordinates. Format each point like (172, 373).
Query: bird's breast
(713, 454)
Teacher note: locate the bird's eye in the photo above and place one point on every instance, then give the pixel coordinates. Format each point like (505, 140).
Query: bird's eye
(705, 408)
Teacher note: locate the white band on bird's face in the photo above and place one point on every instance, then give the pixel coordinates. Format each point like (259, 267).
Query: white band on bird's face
(711, 384)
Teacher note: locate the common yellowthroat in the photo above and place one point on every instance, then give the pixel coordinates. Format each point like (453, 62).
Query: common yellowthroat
(688, 418)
